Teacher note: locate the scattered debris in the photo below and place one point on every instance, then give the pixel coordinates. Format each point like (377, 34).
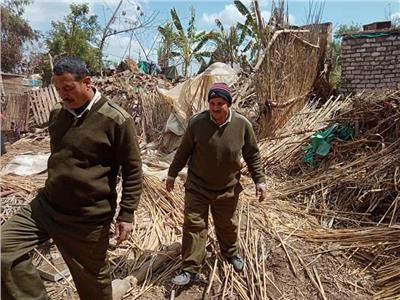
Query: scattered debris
(315, 236)
(328, 230)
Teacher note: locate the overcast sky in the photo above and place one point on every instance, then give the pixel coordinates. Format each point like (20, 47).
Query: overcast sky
(42, 12)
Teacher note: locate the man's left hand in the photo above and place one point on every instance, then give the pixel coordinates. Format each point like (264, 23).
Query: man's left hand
(122, 231)
(261, 191)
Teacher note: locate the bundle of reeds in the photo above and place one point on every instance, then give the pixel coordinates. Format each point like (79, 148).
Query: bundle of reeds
(388, 281)
(155, 113)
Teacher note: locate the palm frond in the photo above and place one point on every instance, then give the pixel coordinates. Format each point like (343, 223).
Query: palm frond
(248, 46)
(191, 31)
(242, 8)
(177, 21)
(175, 54)
(245, 31)
(205, 53)
(219, 24)
(200, 59)
(201, 43)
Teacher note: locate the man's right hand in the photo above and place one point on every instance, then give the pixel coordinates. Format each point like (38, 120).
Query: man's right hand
(261, 191)
(169, 184)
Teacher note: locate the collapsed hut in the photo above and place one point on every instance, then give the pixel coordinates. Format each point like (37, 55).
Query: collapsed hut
(329, 228)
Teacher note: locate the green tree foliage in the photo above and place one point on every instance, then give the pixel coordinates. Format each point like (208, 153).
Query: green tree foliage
(344, 28)
(336, 51)
(227, 45)
(189, 44)
(15, 32)
(76, 35)
(164, 51)
(250, 30)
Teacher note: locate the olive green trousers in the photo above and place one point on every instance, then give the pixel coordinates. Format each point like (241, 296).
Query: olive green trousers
(83, 248)
(195, 226)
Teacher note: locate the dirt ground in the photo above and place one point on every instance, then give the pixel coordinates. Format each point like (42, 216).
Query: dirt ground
(337, 274)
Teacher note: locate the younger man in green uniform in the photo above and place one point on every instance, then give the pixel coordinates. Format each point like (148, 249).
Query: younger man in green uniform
(212, 146)
(91, 139)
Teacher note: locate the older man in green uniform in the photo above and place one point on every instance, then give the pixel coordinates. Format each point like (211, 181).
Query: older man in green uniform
(212, 146)
(91, 140)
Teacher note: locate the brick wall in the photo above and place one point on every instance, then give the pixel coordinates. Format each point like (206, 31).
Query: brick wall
(370, 63)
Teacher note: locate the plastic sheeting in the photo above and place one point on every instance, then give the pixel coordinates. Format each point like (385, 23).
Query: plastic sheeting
(190, 97)
(26, 164)
(321, 142)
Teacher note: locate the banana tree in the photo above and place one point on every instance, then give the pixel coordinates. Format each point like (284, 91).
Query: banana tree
(227, 43)
(189, 44)
(251, 28)
(164, 52)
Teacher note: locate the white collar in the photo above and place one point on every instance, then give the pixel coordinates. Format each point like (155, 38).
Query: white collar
(96, 98)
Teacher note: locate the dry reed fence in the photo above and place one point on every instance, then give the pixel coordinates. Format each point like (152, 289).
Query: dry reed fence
(16, 113)
(286, 77)
(283, 78)
(155, 113)
(292, 250)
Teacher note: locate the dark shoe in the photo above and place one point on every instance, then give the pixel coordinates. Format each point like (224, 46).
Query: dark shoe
(184, 278)
(237, 262)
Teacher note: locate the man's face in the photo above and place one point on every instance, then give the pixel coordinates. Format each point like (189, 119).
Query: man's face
(219, 108)
(74, 93)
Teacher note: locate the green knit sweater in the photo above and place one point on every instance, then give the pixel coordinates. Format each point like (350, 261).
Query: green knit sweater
(213, 153)
(86, 156)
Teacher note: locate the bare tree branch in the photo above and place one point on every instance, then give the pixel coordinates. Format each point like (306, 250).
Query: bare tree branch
(107, 32)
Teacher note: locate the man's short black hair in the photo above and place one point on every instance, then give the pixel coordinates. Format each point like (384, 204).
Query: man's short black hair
(72, 65)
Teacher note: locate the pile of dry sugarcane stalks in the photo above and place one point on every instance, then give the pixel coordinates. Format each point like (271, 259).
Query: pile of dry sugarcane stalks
(388, 281)
(274, 254)
(35, 142)
(18, 190)
(360, 176)
(356, 185)
(280, 151)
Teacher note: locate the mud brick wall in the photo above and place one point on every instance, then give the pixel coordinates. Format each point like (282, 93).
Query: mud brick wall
(370, 63)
